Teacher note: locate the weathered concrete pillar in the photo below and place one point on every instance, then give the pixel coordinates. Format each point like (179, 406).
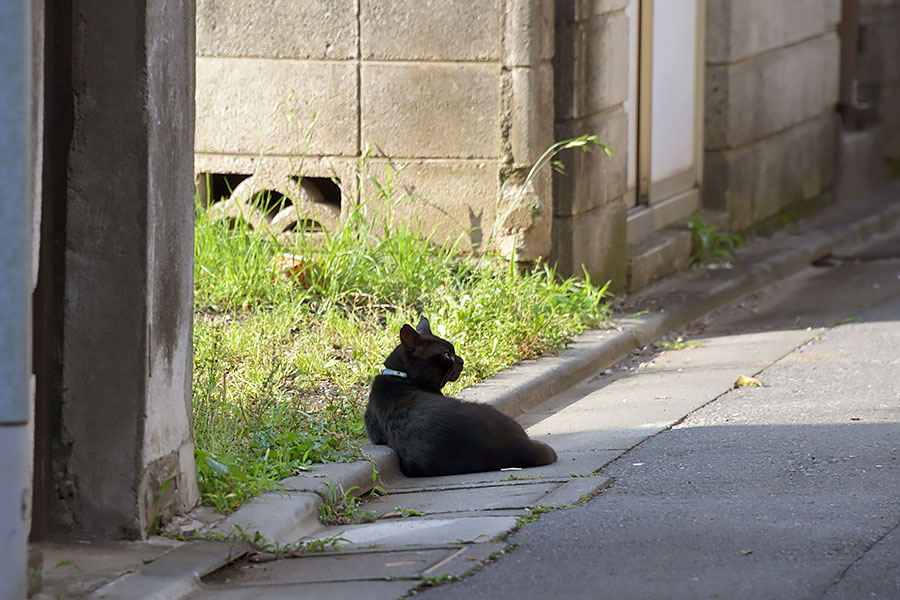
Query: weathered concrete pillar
(15, 292)
(126, 365)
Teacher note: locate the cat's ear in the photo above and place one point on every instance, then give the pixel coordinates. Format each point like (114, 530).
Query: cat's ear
(424, 327)
(408, 337)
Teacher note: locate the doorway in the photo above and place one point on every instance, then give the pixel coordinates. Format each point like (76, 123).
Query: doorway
(665, 112)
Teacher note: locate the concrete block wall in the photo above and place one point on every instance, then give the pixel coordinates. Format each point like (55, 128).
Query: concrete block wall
(772, 77)
(878, 67)
(459, 91)
(591, 85)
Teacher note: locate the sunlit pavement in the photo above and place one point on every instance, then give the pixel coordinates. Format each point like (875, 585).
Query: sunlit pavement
(789, 490)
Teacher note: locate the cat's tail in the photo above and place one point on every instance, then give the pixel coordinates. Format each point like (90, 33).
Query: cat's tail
(543, 454)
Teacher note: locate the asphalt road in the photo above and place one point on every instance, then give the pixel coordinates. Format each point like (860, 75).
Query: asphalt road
(791, 490)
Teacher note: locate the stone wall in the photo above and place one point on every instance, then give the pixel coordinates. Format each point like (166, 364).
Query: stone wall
(467, 94)
(459, 91)
(591, 85)
(771, 89)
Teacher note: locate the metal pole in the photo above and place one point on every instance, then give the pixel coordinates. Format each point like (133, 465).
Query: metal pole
(15, 294)
(644, 99)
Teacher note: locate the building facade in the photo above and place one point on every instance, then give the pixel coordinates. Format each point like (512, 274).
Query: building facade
(732, 107)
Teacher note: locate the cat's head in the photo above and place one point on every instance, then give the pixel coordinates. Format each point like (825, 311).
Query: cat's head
(427, 360)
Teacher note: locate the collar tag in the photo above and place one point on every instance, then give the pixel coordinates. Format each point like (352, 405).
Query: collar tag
(395, 373)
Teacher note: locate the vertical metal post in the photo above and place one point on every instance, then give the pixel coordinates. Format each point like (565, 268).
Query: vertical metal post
(15, 293)
(645, 86)
(848, 31)
(700, 96)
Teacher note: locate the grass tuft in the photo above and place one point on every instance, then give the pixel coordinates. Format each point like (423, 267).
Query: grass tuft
(709, 243)
(282, 363)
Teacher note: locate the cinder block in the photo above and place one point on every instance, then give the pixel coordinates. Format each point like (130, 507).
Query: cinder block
(587, 9)
(591, 66)
(799, 167)
(277, 28)
(595, 240)
(593, 180)
(531, 113)
(457, 199)
(431, 110)
(430, 29)
(253, 106)
(769, 93)
(721, 170)
(760, 179)
(737, 29)
(666, 252)
(270, 167)
(525, 216)
(604, 51)
(528, 32)
(307, 203)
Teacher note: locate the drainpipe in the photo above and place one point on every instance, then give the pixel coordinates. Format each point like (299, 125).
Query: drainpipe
(15, 294)
(855, 113)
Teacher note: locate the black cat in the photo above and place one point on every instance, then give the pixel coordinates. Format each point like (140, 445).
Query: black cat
(432, 433)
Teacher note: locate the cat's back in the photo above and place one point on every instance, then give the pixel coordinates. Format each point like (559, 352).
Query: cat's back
(396, 404)
(388, 390)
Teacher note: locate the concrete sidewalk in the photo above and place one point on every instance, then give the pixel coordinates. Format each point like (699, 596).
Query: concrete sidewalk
(438, 528)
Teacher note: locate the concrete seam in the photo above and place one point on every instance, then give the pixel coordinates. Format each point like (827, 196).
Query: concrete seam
(772, 50)
(769, 136)
(606, 110)
(862, 555)
(684, 417)
(358, 79)
(758, 275)
(444, 62)
(130, 584)
(310, 156)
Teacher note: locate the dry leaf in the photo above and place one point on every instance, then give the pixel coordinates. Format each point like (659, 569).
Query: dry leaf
(262, 557)
(290, 265)
(748, 381)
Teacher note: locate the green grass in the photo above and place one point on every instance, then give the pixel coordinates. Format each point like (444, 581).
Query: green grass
(282, 364)
(709, 244)
(677, 343)
(340, 507)
(533, 514)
